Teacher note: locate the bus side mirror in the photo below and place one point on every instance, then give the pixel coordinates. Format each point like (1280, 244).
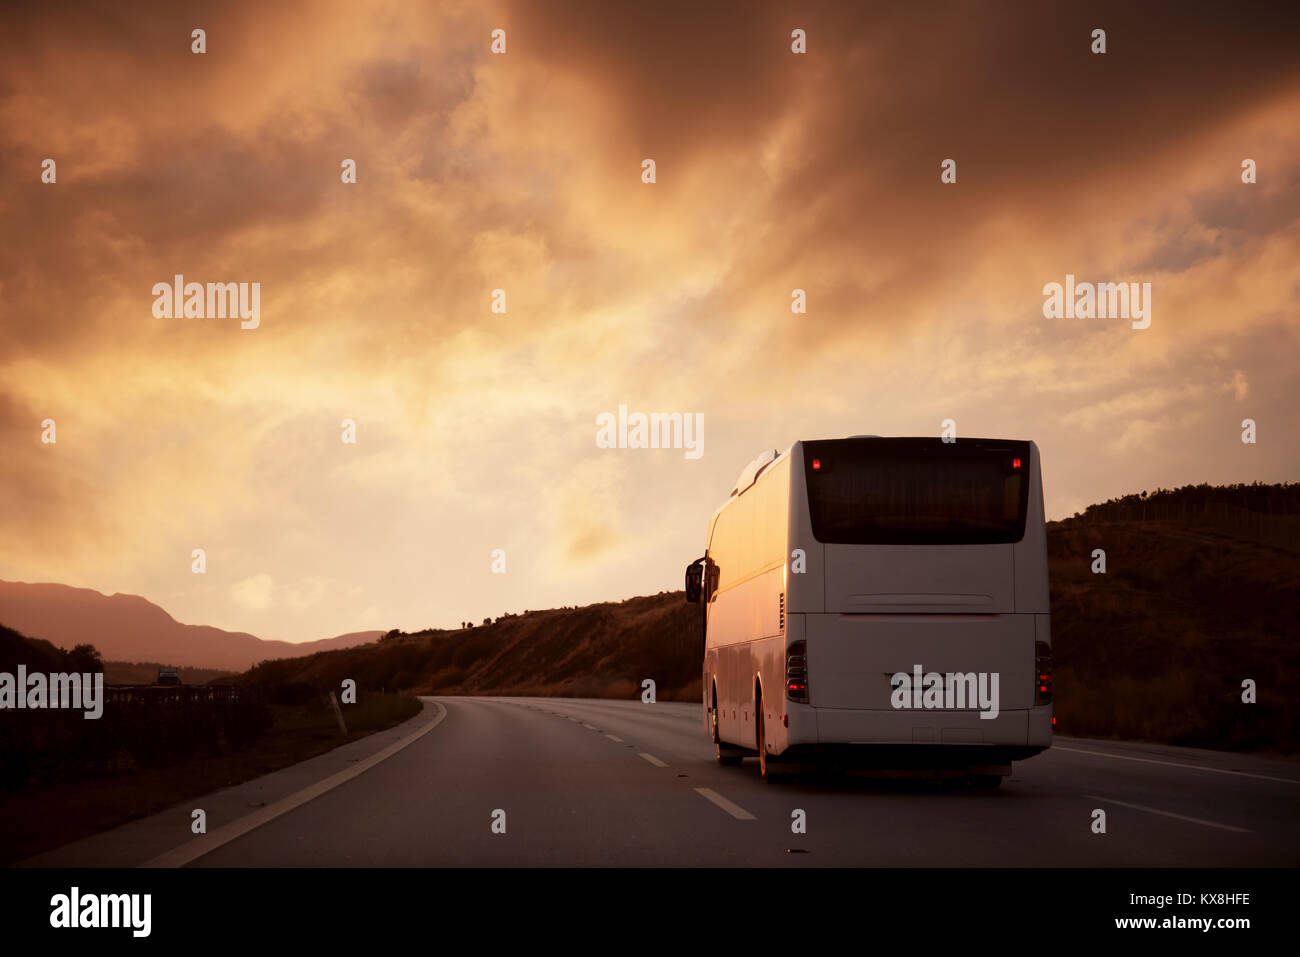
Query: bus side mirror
(694, 583)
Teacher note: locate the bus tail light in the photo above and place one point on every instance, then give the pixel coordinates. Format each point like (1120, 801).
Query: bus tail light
(796, 672)
(1042, 672)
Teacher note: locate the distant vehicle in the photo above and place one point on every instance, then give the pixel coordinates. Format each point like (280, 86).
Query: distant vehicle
(169, 676)
(879, 602)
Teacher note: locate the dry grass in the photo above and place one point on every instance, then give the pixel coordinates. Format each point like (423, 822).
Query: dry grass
(38, 819)
(1157, 648)
(598, 651)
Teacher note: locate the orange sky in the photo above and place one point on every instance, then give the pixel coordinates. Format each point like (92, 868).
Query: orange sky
(522, 171)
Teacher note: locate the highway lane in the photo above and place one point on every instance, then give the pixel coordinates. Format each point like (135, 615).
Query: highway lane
(594, 782)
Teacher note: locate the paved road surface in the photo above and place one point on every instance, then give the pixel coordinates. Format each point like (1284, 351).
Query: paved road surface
(585, 782)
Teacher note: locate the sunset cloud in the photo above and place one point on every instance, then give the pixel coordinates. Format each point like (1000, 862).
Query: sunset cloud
(522, 172)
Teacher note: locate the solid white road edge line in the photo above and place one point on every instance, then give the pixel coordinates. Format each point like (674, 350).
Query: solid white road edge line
(1181, 817)
(207, 843)
(1174, 764)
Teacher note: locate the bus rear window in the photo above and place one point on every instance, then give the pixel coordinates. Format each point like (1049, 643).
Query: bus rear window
(917, 491)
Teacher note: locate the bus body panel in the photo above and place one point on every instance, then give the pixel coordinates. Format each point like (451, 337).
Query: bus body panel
(806, 591)
(851, 658)
(735, 669)
(856, 726)
(744, 637)
(747, 611)
(1030, 553)
(751, 608)
(916, 579)
(732, 669)
(769, 666)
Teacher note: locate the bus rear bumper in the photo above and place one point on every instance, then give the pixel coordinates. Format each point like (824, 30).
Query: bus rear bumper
(1018, 733)
(906, 760)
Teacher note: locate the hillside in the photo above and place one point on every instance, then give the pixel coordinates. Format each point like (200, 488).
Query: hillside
(129, 628)
(603, 650)
(41, 656)
(1202, 590)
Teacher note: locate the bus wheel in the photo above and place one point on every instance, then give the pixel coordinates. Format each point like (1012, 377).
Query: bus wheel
(765, 763)
(986, 782)
(726, 758)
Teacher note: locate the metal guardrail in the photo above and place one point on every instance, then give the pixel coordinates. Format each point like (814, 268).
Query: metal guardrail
(175, 694)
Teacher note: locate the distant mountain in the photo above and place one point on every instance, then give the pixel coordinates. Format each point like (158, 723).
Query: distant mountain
(129, 628)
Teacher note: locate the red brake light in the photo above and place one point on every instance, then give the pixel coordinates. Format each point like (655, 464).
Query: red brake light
(796, 672)
(817, 463)
(1015, 463)
(1043, 661)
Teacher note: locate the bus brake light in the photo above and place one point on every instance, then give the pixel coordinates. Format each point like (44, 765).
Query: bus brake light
(1043, 671)
(796, 672)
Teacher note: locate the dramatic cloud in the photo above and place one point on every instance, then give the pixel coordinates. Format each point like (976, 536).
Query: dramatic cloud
(475, 429)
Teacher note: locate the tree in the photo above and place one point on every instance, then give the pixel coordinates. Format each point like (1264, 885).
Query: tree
(85, 658)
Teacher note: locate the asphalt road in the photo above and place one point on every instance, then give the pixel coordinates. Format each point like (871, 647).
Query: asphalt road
(587, 782)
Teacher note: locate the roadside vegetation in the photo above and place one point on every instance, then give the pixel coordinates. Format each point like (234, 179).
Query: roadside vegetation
(63, 777)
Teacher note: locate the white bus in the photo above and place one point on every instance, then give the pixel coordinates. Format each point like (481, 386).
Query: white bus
(880, 602)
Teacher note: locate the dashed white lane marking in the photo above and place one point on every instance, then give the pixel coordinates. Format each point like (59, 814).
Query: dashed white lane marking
(614, 737)
(191, 850)
(653, 760)
(1175, 764)
(590, 727)
(731, 807)
(1180, 817)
